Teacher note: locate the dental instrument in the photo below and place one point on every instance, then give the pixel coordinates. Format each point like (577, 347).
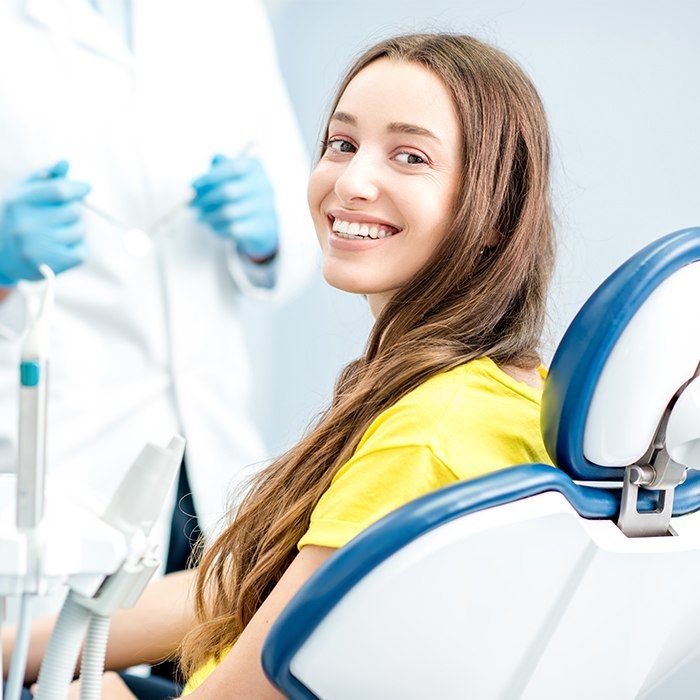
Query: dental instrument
(136, 241)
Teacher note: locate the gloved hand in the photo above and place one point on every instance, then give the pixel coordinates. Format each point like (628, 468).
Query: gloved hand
(236, 200)
(41, 223)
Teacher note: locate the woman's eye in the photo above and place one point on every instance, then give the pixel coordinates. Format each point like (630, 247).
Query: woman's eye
(411, 158)
(340, 146)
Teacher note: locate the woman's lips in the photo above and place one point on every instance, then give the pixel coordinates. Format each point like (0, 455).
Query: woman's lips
(361, 218)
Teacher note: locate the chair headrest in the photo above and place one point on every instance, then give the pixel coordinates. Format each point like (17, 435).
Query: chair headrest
(629, 350)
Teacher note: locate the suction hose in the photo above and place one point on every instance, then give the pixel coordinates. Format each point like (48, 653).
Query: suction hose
(63, 650)
(93, 661)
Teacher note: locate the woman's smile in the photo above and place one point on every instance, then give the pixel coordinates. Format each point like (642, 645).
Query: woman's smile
(356, 231)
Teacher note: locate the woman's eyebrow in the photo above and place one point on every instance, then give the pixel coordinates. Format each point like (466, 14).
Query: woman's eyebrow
(393, 127)
(403, 128)
(344, 117)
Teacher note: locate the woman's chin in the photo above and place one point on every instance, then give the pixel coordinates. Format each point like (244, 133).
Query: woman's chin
(346, 281)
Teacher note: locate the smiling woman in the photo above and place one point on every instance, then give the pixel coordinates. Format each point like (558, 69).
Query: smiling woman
(430, 197)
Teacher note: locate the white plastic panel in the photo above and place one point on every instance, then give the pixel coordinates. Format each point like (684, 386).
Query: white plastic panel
(683, 429)
(526, 600)
(657, 352)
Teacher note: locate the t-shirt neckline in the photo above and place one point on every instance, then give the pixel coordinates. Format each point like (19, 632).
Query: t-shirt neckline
(520, 387)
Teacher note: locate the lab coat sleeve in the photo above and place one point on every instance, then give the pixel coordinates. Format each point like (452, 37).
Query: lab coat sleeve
(13, 315)
(13, 309)
(278, 144)
(20, 306)
(253, 279)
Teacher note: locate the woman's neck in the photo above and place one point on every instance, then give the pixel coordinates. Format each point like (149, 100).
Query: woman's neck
(378, 301)
(531, 377)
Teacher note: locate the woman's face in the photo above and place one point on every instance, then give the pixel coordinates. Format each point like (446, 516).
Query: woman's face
(381, 196)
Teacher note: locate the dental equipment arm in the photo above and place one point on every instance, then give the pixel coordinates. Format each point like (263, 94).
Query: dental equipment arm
(145, 634)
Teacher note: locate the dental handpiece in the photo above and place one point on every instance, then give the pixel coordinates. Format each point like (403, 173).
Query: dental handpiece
(34, 369)
(32, 442)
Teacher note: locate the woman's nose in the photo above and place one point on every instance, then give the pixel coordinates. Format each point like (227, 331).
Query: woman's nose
(358, 182)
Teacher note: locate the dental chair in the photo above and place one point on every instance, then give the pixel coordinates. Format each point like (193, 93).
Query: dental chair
(581, 581)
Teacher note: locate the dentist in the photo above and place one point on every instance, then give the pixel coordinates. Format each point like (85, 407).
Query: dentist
(152, 105)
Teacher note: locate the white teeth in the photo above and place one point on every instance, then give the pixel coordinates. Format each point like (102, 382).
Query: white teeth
(339, 225)
(347, 229)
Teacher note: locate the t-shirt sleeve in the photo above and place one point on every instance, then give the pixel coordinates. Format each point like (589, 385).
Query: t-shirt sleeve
(374, 482)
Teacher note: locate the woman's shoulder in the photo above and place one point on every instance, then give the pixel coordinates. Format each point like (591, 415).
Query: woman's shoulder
(480, 379)
(474, 417)
(465, 388)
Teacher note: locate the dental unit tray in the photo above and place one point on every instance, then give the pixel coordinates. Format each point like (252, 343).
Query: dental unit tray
(538, 582)
(75, 545)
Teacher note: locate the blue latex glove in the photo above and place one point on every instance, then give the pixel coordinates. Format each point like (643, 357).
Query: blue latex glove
(236, 200)
(41, 223)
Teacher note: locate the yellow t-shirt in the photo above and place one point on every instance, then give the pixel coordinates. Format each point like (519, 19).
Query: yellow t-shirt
(458, 425)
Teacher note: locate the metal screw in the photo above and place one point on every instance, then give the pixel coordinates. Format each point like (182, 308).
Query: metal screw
(642, 474)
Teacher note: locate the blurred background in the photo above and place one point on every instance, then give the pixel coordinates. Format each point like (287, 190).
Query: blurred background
(620, 84)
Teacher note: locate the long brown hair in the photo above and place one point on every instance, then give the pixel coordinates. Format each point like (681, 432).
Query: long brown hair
(474, 298)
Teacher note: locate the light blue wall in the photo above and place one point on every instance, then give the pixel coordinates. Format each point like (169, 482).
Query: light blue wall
(620, 83)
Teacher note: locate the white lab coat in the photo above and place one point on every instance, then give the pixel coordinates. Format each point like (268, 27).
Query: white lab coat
(145, 347)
